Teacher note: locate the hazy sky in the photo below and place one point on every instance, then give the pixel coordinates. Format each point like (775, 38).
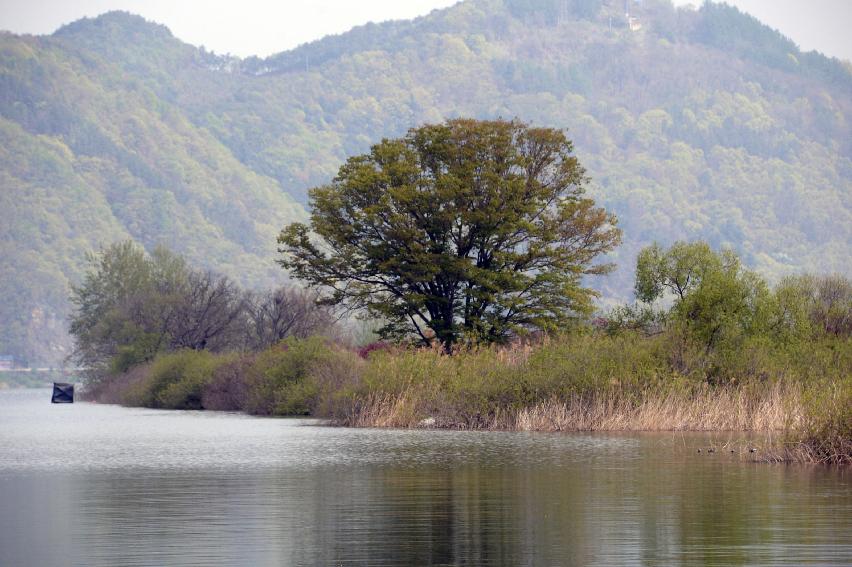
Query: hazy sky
(262, 27)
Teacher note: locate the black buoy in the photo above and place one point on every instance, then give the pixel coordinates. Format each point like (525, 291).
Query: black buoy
(62, 393)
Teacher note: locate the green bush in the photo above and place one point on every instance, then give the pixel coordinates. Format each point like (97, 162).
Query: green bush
(176, 380)
(278, 381)
(580, 365)
(476, 388)
(473, 386)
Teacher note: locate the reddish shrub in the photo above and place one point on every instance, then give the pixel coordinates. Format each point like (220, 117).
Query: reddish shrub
(364, 351)
(228, 390)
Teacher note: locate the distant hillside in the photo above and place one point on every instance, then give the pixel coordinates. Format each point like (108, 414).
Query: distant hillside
(89, 154)
(695, 124)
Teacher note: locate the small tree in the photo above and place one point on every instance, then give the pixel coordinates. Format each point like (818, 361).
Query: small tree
(125, 307)
(283, 312)
(467, 230)
(820, 305)
(714, 296)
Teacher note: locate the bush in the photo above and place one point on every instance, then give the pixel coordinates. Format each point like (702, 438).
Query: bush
(277, 380)
(176, 380)
(472, 388)
(491, 386)
(227, 389)
(586, 364)
(336, 377)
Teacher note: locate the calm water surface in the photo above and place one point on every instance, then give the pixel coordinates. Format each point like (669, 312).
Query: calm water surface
(87, 484)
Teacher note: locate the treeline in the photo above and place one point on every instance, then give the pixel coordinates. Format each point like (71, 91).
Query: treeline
(711, 300)
(709, 345)
(132, 306)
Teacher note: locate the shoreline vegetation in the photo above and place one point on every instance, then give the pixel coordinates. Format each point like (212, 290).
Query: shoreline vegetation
(469, 246)
(582, 382)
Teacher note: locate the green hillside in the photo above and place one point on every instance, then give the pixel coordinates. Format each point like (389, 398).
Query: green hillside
(701, 124)
(90, 155)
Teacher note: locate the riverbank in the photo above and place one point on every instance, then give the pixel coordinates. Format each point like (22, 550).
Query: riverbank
(585, 382)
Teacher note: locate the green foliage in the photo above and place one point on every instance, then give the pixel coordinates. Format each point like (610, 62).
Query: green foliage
(473, 387)
(716, 300)
(590, 364)
(827, 427)
(122, 309)
(473, 230)
(819, 304)
(478, 388)
(726, 320)
(277, 381)
(132, 306)
(294, 377)
(637, 317)
(175, 380)
(678, 270)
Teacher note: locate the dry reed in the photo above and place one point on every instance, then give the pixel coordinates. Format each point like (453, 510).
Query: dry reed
(710, 409)
(811, 451)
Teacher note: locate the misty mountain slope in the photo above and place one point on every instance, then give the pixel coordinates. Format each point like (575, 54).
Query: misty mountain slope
(701, 124)
(90, 155)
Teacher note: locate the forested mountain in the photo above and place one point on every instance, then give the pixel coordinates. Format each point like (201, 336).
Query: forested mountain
(691, 123)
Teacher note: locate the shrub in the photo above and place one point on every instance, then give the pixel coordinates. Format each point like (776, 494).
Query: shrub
(276, 381)
(366, 350)
(176, 380)
(336, 378)
(227, 389)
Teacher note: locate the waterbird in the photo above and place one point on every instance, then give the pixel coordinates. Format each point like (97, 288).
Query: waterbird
(752, 450)
(711, 450)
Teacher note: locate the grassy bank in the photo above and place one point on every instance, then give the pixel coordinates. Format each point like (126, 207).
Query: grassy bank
(591, 382)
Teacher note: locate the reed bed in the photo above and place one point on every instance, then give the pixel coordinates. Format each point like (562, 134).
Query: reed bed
(710, 409)
(811, 451)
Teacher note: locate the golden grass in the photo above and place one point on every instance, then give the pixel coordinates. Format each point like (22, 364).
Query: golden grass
(382, 410)
(711, 409)
(720, 409)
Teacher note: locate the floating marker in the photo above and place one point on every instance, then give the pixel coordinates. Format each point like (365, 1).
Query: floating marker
(62, 393)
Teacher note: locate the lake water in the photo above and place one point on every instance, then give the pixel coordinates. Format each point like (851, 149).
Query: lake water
(89, 484)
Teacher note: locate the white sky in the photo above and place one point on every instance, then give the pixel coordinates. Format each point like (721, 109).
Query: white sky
(263, 27)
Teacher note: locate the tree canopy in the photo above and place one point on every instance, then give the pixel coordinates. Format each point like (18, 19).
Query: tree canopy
(462, 231)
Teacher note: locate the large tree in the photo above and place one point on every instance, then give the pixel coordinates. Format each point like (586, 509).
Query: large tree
(467, 230)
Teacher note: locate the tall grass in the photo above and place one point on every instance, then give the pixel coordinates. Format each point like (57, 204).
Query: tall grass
(582, 383)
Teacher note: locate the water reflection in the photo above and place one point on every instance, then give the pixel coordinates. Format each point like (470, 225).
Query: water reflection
(218, 489)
